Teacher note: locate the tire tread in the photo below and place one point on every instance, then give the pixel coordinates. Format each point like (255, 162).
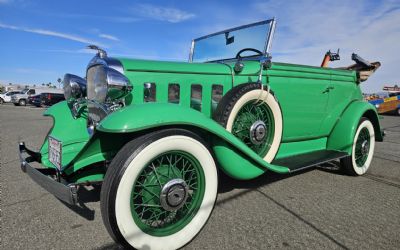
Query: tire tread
(229, 100)
(116, 170)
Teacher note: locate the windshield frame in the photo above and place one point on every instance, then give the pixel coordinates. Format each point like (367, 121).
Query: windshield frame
(268, 42)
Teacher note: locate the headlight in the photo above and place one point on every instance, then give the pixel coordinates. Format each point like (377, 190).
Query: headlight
(377, 106)
(97, 83)
(74, 87)
(106, 84)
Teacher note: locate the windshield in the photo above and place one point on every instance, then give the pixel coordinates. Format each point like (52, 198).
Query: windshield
(226, 44)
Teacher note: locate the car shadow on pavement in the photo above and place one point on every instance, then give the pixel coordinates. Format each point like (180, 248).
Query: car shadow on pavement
(332, 167)
(112, 246)
(86, 195)
(227, 184)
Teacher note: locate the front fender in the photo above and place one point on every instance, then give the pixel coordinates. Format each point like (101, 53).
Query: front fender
(342, 135)
(71, 132)
(151, 115)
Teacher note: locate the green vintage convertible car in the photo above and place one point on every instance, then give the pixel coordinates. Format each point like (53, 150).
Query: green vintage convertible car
(156, 134)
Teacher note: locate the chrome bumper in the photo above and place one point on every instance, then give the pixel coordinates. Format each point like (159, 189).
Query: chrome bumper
(67, 193)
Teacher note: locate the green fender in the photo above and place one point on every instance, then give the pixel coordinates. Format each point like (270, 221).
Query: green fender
(342, 135)
(234, 157)
(72, 132)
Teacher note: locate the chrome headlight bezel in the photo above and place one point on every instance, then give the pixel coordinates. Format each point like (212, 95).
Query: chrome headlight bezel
(106, 83)
(106, 89)
(74, 87)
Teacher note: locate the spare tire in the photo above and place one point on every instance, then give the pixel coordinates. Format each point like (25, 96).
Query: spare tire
(253, 115)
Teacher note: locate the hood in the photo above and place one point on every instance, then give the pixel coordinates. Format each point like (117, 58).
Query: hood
(136, 65)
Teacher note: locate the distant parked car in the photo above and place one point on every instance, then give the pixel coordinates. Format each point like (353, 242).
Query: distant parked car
(35, 100)
(49, 99)
(6, 97)
(388, 105)
(45, 99)
(22, 98)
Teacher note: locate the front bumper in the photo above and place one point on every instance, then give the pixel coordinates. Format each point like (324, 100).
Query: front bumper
(65, 192)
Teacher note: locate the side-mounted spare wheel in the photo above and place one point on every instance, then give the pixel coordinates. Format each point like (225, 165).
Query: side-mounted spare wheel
(362, 150)
(159, 190)
(252, 114)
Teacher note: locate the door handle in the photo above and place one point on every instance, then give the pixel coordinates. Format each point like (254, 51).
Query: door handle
(328, 89)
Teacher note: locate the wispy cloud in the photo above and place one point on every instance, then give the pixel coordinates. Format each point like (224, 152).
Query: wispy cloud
(171, 15)
(117, 19)
(45, 32)
(369, 28)
(66, 51)
(109, 37)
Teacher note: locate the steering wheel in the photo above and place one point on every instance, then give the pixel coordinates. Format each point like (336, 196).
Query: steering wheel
(247, 49)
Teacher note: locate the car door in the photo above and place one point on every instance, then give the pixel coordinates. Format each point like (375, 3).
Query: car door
(341, 92)
(303, 97)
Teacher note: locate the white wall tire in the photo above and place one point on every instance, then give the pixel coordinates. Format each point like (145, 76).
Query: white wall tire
(352, 164)
(234, 101)
(117, 191)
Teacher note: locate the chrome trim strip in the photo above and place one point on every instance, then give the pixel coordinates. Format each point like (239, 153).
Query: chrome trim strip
(114, 64)
(270, 36)
(233, 29)
(191, 52)
(108, 62)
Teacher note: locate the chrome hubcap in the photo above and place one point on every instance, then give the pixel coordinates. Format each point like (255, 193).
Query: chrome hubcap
(258, 132)
(364, 147)
(174, 194)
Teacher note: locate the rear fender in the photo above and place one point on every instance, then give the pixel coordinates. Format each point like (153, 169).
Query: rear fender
(342, 135)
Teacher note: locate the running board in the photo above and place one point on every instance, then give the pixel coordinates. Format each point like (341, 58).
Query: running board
(303, 161)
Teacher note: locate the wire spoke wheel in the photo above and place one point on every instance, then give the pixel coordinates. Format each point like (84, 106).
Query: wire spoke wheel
(159, 190)
(254, 116)
(362, 147)
(167, 193)
(255, 113)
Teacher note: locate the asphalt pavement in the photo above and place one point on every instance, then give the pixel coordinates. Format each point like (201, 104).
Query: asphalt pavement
(315, 209)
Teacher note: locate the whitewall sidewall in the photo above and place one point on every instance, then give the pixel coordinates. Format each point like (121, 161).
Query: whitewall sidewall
(129, 230)
(362, 170)
(270, 100)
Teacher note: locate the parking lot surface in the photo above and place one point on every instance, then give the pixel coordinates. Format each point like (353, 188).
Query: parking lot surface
(319, 208)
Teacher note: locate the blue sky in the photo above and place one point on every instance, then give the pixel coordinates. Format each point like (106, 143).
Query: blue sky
(43, 40)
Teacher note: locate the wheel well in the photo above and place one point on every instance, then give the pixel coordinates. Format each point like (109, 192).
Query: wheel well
(112, 143)
(373, 117)
(124, 138)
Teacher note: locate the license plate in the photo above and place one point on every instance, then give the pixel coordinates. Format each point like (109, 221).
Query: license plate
(55, 147)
